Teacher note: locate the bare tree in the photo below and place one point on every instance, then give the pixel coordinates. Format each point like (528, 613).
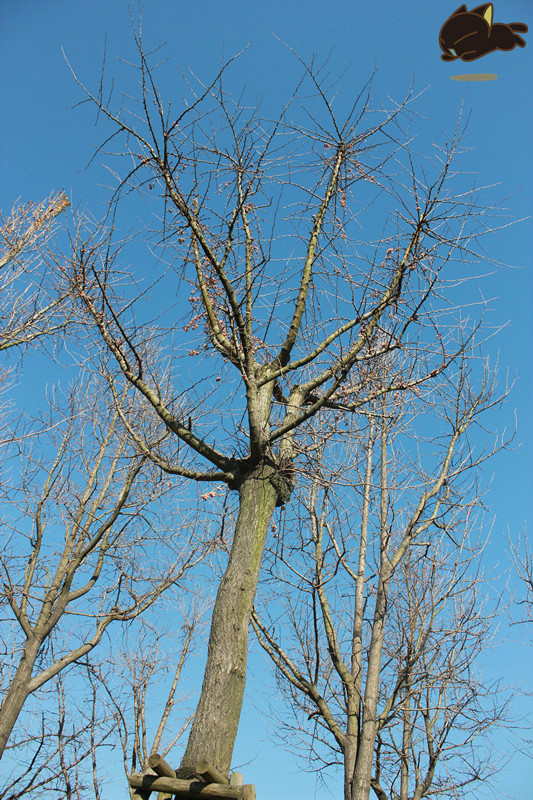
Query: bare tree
(139, 689)
(384, 597)
(285, 307)
(54, 754)
(86, 542)
(435, 739)
(120, 702)
(33, 300)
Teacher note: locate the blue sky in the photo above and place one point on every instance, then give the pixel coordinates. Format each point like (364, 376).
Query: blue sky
(45, 144)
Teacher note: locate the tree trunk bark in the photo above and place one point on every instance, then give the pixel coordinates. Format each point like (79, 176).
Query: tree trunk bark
(215, 724)
(367, 738)
(18, 692)
(350, 754)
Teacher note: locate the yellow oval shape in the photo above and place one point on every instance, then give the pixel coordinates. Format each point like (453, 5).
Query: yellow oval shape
(475, 76)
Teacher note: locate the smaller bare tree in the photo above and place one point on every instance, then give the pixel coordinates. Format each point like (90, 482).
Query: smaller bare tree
(379, 634)
(104, 710)
(138, 687)
(87, 542)
(55, 753)
(435, 709)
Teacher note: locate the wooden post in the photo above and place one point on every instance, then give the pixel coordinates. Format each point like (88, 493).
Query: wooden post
(249, 792)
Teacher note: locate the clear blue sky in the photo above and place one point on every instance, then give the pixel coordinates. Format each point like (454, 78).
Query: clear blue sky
(45, 143)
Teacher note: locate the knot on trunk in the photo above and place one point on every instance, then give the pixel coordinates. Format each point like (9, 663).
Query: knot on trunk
(189, 774)
(283, 479)
(279, 471)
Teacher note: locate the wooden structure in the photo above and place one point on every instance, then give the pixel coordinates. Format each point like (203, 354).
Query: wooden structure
(206, 782)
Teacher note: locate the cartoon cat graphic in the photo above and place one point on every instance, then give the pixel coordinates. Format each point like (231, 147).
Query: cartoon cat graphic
(470, 34)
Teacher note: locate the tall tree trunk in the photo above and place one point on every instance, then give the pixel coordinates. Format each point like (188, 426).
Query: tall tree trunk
(367, 737)
(354, 697)
(350, 754)
(406, 738)
(215, 724)
(18, 691)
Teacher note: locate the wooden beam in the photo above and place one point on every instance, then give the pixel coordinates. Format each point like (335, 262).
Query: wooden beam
(160, 766)
(196, 789)
(211, 774)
